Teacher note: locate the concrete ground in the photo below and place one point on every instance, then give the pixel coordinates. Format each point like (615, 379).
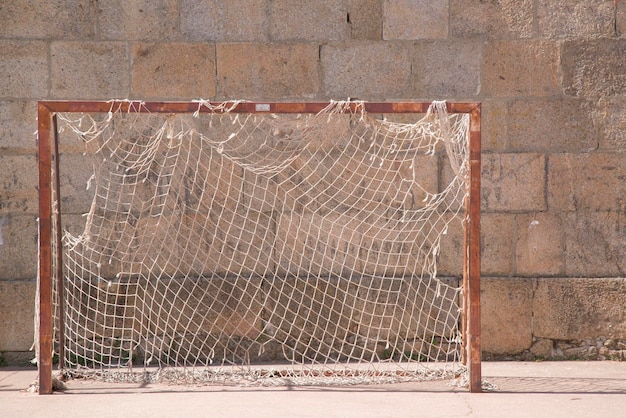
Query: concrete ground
(540, 389)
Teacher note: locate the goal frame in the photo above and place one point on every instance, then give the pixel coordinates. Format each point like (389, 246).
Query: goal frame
(48, 156)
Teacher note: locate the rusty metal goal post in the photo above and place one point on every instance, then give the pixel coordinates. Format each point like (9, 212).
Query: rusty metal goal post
(259, 243)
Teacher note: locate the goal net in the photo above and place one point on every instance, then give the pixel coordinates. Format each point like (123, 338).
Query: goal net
(259, 244)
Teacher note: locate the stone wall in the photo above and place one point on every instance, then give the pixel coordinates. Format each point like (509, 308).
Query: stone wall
(551, 76)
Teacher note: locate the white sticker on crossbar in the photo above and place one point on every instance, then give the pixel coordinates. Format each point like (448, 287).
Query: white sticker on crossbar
(262, 107)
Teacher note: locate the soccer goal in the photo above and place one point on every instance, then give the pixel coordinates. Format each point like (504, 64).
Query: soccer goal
(259, 243)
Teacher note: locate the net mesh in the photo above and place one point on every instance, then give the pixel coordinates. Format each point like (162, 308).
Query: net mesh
(261, 248)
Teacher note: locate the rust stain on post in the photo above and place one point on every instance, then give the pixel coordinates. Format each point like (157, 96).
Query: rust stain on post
(58, 244)
(472, 274)
(44, 359)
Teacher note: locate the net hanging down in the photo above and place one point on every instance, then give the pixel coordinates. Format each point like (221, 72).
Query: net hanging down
(261, 248)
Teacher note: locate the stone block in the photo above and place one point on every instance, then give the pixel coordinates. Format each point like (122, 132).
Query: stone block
(506, 315)
(23, 69)
(19, 173)
(390, 309)
(211, 188)
(17, 122)
(310, 243)
(19, 182)
(594, 68)
(575, 19)
(302, 20)
(18, 246)
(415, 19)
(368, 71)
(225, 21)
(67, 19)
(620, 18)
(175, 320)
(410, 245)
(513, 182)
(318, 318)
(75, 173)
(138, 20)
(173, 70)
(609, 116)
(540, 246)
(494, 129)
(267, 71)
(447, 68)
(210, 306)
(550, 126)
(226, 243)
(504, 19)
(586, 182)
(89, 70)
(17, 313)
(312, 315)
(450, 257)
(520, 68)
(594, 243)
(366, 19)
(496, 244)
(579, 308)
(542, 348)
(74, 224)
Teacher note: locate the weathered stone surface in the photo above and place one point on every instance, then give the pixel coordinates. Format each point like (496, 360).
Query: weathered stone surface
(173, 70)
(137, 19)
(89, 70)
(594, 243)
(308, 242)
(319, 317)
(415, 19)
(17, 123)
(575, 19)
(520, 68)
(497, 247)
(17, 313)
(224, 21)
(366, 19)
(68, 19)
(568, 309)
(513, 182)
(506, 315)
(23, 69)
(76, 170)
(540, 245)
(542, 348)
(302, 20)
(519, 57)
(447, 68)
(221, 306)
(609, 116)
(224, 243)
(547, 125)
(18, 247)
(502, 19)
(620, 18)
(18, 184)
(588, 182)
(594, 67)
(366, 70)
(494, 121)
(450, 258)
(267, 70)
